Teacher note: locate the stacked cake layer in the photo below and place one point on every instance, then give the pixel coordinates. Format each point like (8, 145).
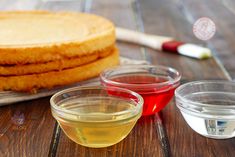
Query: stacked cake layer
(44, 49)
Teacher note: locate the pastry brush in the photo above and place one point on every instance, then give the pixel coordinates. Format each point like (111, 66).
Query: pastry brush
(163, 43)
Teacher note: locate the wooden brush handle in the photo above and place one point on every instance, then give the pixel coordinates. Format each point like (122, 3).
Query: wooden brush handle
(151, 41)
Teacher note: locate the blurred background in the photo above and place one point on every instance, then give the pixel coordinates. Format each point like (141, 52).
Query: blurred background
(174, 18)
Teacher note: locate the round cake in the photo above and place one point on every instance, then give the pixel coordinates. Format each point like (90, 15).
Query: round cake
(40, 49)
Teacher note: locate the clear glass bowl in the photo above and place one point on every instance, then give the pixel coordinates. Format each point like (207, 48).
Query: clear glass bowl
(156, 84)
(96, 116)
(208, 107)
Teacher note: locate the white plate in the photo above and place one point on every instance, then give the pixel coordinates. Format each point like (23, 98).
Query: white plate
(9, 97)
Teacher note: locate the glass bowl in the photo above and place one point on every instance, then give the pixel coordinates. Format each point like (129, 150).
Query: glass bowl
(96, 116)
(156, 84)
(208, 107)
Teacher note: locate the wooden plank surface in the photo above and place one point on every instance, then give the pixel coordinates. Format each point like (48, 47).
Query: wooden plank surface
(121, 13)
(28, 129)
(144, 133)
(183, 140)
(222, 13)
(18, 4)
(69, 5)
(161, 18)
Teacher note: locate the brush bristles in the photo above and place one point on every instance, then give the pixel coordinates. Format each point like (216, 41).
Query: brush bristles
(194, 51)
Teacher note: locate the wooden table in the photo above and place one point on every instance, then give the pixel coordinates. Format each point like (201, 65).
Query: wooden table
(28, 129)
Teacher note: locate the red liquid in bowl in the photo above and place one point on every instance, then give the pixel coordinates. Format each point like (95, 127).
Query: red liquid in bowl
(155, 98)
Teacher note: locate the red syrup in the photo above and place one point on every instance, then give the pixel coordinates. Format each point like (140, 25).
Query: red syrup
(155, 96)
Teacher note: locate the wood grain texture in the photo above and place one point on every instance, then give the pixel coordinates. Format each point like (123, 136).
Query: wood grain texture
(121, 13)
(222, 13)
(141, 142)
(18, 4)
(174, 24)
(183, 140)
(26, 129)
(137, 143)
(68, 5)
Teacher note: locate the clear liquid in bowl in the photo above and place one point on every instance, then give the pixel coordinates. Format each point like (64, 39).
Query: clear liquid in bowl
(216, 119)
(99, 127)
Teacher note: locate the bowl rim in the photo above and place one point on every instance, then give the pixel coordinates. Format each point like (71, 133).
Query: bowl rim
(148, 85)
(137, 109)
(180, 98)
(205, 115)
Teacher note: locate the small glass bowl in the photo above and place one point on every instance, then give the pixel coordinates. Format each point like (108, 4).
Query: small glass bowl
(156, 84)
(208, 107)
(96, 116)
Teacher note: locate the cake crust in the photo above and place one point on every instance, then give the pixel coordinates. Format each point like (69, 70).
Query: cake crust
(57, 65)
(33, 82)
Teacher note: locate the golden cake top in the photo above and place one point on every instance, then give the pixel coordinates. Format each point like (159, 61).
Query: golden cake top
(22, 30)
(39, 36)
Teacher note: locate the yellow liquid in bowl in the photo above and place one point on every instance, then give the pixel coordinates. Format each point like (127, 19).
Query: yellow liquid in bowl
(98, 128)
